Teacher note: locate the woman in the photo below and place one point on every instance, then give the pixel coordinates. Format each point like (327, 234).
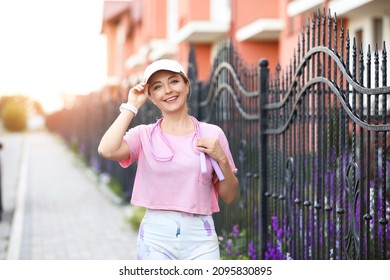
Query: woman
(183, 166)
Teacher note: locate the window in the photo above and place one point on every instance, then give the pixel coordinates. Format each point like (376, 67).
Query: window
(378, 32)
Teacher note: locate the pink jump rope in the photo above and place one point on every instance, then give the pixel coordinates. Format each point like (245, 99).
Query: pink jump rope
(202, 156)
(203, 166)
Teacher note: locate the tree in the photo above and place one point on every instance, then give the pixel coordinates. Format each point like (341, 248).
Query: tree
(14, 115)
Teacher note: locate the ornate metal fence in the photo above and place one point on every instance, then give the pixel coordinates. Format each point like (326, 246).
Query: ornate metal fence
(231, 99)
(311, 147)
(310, 143)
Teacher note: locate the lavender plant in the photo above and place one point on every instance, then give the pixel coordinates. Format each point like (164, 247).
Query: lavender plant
(338, 234)
(275, 251)
(233, 245)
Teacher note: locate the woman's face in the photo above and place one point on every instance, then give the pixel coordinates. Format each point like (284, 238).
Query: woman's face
(168, 91)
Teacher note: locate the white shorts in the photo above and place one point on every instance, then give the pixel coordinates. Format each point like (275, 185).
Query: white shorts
(177, 236)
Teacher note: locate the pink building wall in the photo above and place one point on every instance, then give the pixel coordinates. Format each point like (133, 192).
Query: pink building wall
(145, 24)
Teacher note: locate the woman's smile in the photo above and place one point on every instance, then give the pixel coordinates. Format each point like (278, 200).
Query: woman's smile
(171, 99)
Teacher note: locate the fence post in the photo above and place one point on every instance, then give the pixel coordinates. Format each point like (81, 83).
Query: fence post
(196, 85)
(263, 156)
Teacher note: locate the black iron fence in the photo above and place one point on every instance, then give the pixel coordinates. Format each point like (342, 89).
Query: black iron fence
(310, 143)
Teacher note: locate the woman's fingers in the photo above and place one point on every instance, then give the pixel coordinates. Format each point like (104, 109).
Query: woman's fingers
(138, 88)
(211, 147)
(208, 145)
(137, 96)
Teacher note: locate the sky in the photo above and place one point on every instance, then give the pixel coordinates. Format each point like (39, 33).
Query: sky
(51, 48)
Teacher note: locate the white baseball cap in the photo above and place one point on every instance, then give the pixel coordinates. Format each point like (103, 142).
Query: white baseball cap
(163, 64)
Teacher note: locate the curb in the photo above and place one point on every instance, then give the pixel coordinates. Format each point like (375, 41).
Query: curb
(16, 233)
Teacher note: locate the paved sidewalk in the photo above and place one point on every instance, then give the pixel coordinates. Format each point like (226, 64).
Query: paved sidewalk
(10, 157)
(60, 212)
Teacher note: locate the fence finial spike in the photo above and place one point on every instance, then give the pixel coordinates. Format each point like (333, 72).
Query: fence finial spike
(263, 62)
(324, 17)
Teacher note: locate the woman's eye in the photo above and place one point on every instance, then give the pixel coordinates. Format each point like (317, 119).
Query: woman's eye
(174, 81)
(157, 87)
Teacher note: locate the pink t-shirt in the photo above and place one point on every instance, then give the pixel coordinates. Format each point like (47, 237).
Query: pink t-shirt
(168, 173)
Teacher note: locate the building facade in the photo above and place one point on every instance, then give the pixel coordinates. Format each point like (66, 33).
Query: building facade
(141, 31)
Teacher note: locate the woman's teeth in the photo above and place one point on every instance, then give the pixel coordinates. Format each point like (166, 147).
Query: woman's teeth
(170, 99)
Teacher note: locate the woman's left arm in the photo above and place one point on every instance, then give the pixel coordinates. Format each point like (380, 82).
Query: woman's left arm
(228, 187)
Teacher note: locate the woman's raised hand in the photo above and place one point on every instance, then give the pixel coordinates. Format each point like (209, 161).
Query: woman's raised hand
(138, 94)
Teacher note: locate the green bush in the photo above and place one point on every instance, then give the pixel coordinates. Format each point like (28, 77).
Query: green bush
(14, 116)
(136, 218)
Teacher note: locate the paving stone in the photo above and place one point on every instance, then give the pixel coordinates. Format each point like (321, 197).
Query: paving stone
(67, 216)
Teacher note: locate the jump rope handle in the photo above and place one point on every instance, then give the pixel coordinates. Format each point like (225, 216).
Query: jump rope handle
(203, 166)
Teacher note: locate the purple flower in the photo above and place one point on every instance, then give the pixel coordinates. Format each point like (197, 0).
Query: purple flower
(275, 224)
(251, 251)
(279, 234)
(235, 231)
(229, 246)
(273, 253)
